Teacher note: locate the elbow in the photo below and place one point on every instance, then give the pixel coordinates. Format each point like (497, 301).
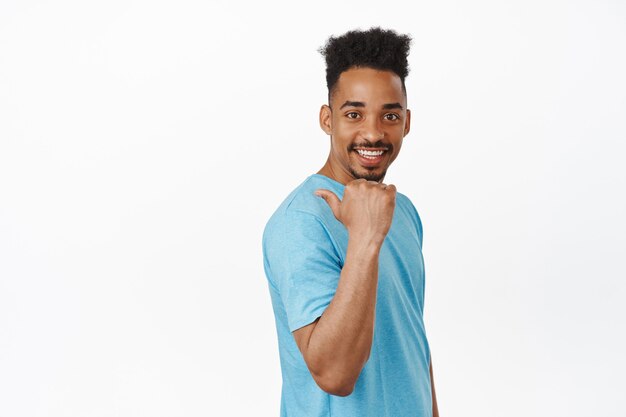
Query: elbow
(335, 388)
(338, 385)
(336, 377)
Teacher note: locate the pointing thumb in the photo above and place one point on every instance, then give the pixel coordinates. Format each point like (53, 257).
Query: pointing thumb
(331, 199)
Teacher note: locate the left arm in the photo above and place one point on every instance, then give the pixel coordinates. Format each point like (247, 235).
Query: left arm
(432, 384)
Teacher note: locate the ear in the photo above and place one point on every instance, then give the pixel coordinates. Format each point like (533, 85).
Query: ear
(407, 124)
(326, 119)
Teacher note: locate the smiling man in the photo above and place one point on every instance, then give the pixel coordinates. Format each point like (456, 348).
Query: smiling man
(343, 252)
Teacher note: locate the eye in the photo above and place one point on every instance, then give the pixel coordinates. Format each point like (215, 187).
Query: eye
(391, 117)
(353, 115)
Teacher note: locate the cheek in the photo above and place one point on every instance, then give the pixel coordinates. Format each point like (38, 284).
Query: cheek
(343, 128)
(343, 136)
(397, 130)
(396, 150)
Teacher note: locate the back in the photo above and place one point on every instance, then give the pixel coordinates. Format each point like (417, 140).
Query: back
(304, 248)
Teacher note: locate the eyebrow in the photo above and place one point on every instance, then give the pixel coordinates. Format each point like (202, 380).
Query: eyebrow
(387, 106)
(390, 106)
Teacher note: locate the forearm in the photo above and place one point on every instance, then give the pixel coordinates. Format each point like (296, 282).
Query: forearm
(341, 341)
(432, 385)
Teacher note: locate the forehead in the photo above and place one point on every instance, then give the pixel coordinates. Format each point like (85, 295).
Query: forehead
(370, 86)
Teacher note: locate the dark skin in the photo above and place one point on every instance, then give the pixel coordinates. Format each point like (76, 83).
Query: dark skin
(367, 120)
(368, 108)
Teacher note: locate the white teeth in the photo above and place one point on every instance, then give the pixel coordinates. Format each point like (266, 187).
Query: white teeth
(370, 154)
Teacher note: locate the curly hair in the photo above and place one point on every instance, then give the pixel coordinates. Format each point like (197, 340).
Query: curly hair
(375, 48)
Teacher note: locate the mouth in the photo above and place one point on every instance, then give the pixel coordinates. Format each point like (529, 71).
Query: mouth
(370, 157)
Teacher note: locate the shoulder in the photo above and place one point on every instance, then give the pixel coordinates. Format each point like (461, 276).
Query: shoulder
(302, 207)
(405, 205)
(303, 216)
(299, 232)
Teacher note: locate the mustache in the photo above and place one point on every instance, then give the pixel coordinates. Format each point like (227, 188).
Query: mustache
(377, 144)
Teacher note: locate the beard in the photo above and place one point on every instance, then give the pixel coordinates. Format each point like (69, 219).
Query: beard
(369, 175)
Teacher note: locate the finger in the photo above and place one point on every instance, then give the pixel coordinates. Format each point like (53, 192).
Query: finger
(390, 187)
(331, 199)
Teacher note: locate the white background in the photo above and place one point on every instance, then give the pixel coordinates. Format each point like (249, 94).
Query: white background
(143, 145)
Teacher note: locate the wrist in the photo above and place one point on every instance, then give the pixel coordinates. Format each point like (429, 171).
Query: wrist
(364, 242)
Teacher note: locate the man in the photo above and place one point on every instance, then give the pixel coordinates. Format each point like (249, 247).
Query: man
(345, 271)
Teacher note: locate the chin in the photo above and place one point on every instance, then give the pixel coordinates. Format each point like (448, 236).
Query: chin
(375, 175)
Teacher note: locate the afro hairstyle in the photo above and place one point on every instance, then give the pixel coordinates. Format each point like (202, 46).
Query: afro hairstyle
(375, 48)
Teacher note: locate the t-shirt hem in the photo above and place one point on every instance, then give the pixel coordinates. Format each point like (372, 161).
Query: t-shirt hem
(306, 321)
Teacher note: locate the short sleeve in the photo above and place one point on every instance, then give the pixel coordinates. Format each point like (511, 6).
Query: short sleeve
(420, 229)
(302, 264)
(416, 218)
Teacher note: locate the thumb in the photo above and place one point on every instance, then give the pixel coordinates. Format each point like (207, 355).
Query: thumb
(331, 199)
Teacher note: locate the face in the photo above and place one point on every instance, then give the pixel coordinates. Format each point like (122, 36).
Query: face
(366, 120)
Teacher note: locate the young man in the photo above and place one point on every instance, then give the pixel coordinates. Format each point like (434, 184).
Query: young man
(342, 253)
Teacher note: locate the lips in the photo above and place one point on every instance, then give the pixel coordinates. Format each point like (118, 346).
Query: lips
(370, 157)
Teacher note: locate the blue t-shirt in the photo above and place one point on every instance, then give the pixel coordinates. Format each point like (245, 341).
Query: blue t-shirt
(304, 249)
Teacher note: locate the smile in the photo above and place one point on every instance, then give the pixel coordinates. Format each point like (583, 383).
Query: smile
(369, 154)
(370, 158)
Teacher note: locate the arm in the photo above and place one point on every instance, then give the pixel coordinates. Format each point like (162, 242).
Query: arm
(432, 384)
(337, 345)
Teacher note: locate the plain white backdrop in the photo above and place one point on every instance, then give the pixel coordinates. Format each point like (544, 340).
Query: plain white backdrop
(144, 144)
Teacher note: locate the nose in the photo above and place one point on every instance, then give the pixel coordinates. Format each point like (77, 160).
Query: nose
(372, 130)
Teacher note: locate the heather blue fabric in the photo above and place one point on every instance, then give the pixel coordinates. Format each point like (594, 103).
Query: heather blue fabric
(304, 249)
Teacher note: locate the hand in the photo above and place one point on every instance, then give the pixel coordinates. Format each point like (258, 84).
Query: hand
(366, 209)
